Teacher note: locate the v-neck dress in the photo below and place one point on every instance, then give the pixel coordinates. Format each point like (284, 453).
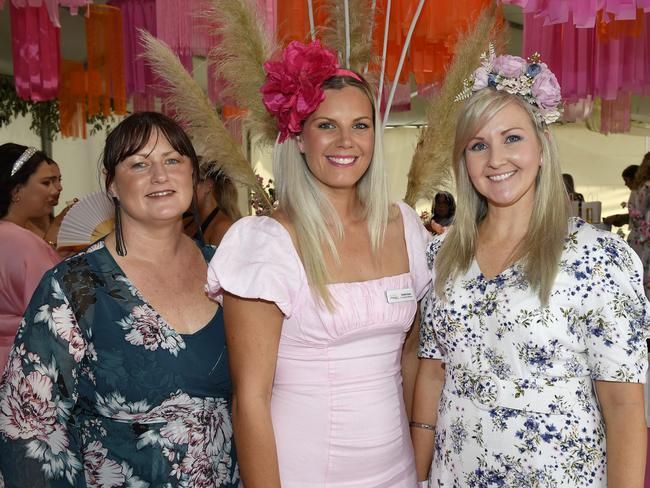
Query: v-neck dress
(518, 407)
(100, 391)
(337, 406)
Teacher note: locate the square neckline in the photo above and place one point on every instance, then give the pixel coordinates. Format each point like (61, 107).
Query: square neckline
(358, 282)
(141, 297)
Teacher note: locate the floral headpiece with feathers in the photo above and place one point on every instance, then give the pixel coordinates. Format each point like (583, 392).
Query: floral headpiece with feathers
(532, 80)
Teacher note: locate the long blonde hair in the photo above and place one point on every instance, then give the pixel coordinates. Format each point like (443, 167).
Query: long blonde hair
(301, 199)
(541, 249)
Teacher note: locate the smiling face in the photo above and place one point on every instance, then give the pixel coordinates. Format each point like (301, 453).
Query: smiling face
(338, 138)
(40, 193)
(503, 159)
(155, 184)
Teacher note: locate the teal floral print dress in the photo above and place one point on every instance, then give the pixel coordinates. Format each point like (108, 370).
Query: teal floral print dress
(518, 407)
(100, 391)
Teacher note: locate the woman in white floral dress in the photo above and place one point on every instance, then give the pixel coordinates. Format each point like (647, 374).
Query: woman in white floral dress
(119, 374)
(533, 335)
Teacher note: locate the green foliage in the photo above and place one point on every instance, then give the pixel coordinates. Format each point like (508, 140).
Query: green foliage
(45, 115)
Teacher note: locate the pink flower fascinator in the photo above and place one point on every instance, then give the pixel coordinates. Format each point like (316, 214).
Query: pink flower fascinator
(293, 88)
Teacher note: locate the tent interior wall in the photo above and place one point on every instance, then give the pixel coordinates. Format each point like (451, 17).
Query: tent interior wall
(594, 160)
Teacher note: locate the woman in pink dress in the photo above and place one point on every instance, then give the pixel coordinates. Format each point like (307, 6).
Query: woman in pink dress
(320, 298)
(29, 186)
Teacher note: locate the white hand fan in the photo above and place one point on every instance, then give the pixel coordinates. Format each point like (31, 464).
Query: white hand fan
(91, 218)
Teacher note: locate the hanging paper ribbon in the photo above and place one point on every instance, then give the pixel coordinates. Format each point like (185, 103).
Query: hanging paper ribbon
(35, 51)
(581, 13)
(615, 114)
(139, 79)
(587, 65)
(72, 99)
(293, 19)
(174, 26)
(52, 7)
(105, 51)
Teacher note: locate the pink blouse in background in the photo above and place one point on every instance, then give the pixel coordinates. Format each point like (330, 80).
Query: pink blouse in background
(24, 258)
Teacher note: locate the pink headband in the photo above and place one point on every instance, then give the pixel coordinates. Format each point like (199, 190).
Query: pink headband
(294, 85)
(347, 72)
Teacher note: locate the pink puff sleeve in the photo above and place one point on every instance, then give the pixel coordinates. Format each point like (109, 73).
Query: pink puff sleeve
(256, 259)
(417, 239)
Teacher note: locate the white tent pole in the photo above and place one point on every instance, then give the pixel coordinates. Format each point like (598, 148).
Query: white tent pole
(401, 59)
(383, 53)
(312, 28)
(373, 10)
(346, 6)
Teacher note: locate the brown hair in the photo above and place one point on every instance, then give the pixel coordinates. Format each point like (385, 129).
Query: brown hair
(132, 134)
(9, 154)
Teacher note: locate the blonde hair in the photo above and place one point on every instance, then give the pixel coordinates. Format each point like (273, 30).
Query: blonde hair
(541, 249)
(300, 197)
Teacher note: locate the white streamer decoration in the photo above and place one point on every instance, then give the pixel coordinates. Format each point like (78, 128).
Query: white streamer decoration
(346, 6)
(383, 53)
(402, 57)
(312, 28)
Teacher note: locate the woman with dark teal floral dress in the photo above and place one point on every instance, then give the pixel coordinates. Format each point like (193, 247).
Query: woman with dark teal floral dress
(100, 389)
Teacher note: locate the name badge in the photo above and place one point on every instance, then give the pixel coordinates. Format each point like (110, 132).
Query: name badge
(402, 295)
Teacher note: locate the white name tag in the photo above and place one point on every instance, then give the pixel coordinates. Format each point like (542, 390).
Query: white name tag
(402, 295)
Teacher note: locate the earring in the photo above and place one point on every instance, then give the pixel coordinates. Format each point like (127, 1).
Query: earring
(119, 237)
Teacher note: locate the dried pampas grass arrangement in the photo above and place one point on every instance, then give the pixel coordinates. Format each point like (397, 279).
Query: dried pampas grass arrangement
(194, 110)
(239, 59)
(360, 22)
(431, 167)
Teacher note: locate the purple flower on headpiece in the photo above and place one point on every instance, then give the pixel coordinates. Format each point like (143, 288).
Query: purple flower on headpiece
(480, 78)
(293, 87)
(546, 89)
(509, 66)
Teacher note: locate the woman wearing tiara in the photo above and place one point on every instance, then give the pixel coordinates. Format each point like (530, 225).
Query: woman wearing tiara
(533, 335)
(118, 375)
(29, 189)
(320, 297)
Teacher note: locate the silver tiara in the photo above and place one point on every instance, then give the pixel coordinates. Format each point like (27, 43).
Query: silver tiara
(28, 153)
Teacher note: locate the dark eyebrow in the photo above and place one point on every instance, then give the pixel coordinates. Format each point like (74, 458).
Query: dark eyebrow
(146, 155)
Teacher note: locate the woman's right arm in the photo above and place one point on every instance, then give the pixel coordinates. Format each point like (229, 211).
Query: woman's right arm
(428, 386)
(38, 392)
(253, 334)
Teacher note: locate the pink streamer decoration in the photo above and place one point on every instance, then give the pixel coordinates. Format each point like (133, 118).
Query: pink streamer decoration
(581, 12)
(585, 65)
(615, 114)
(52, 7)
(140, 81)
(174, 27)
(269, 12)
(35, 51)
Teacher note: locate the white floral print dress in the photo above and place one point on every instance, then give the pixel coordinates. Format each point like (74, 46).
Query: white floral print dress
(518, 407)
(100, 391)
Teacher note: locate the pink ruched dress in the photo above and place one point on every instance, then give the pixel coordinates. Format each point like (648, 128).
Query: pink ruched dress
(24, 258)
(337, 406)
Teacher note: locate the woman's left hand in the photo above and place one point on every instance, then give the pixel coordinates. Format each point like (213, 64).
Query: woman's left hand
(52, 233)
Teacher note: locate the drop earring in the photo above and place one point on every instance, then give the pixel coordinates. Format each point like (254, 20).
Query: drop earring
(119, 237)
